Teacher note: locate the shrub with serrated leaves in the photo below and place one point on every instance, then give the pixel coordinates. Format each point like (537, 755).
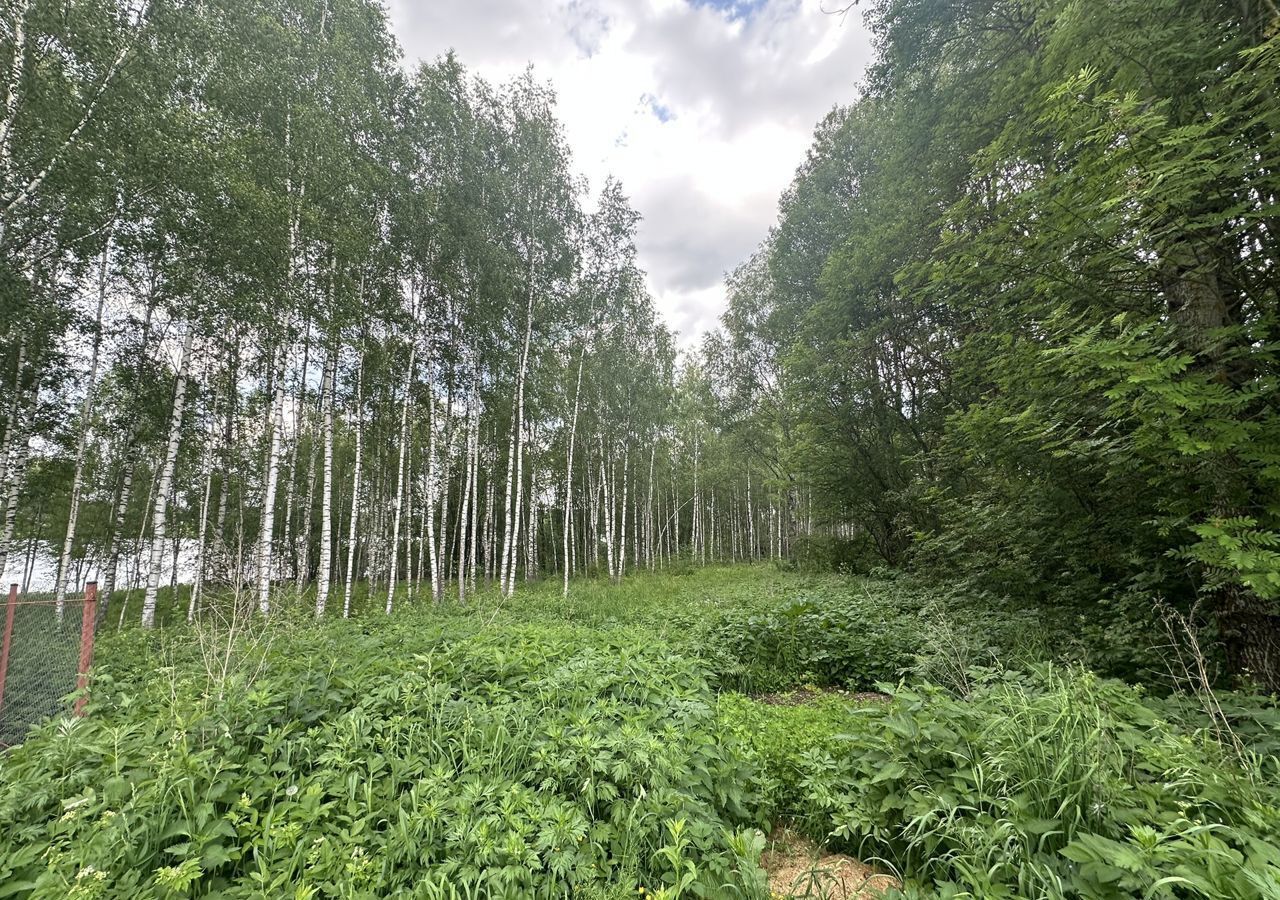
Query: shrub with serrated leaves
(854, 636)
(1052, 783)
(421, 760)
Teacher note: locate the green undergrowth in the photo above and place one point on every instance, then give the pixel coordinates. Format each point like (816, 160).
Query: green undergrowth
(596, 745)
(1045, 783)
(412, 760)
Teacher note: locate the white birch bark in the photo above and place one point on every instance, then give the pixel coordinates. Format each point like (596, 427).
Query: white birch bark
(531, 529)
(159, 516)
(410, 484)
(197, 586)
(17, 452)
(432, 488)
(86, 414)
(475, 492)
(400, 479)
(649, 510)
(290, 472)
(117, 528)
(13, 84)
(517, 431)
(464, 510)
(568, 475)
(11, 200)
(267, 535)
(10, 479)
(443, 478)
(15, 408)
(622, 512)
(605, 487)
(489, 526)
(326, 501)
(358, 422)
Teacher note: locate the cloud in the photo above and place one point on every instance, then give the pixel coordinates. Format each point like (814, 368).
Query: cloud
(703, 109)
(690, 238)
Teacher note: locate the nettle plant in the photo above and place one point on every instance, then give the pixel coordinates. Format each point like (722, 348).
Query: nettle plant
(850, 636)
(424, 761)
(1050, 783)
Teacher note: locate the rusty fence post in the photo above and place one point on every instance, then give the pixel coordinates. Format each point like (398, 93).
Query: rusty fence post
(87, 622)
(10, 608)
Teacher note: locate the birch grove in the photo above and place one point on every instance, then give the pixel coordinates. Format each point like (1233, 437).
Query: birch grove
(366, 332)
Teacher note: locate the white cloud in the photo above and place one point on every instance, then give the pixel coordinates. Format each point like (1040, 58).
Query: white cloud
(703, 110)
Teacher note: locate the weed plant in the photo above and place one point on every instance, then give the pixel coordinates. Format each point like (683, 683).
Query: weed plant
(592, 746)
(416, 759)
(1047, 783)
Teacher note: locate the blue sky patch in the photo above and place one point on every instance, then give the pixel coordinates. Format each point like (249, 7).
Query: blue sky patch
(732, 9)
(660, 110)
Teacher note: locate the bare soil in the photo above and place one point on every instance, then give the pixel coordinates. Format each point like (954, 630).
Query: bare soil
(799, 868)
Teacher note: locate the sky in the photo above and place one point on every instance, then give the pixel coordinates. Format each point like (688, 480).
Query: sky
(702, 108)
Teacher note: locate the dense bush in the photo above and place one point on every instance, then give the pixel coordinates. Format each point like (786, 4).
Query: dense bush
(775, 739)
(573, 747)
(850, 636)
(425, 760)
(1048, 784)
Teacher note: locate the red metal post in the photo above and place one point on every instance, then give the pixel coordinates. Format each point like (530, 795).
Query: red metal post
(10, 608)
(87, 622)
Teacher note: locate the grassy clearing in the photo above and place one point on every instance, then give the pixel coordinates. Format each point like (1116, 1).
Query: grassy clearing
(614, 744)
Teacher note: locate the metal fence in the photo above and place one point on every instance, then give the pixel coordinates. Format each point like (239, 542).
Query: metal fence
(45, 656)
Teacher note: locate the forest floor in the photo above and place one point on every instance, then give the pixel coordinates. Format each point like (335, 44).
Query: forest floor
(741, 732)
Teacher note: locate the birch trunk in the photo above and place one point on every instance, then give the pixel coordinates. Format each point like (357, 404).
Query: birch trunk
(649, 510)
(13, 84)
(117, 528)
(14, 474)
(326, 500)
(568, 476)
(475, 492)
(489, 499)
(400, 479)
(358, 422)
(443, 479)
(464, 510)
(531, 530)
(265, 538)
(193, 605)
(86, 413)
(223, 555)
(606, 489)
(408, 525)
(159, 516)
(15, 408)
(622, 513)
(291, 470)
(432, 489)
(517, 432)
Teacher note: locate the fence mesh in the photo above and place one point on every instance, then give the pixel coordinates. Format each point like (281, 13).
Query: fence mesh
(42, 663)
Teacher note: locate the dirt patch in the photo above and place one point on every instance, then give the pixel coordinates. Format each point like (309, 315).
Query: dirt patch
(798, 868)
(804, 695)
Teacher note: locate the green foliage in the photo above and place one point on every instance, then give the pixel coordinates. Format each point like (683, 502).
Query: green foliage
(1052, 783)
(855, 637)
(775, 738)
(543, 746)
(514, 762)
(1018, 315)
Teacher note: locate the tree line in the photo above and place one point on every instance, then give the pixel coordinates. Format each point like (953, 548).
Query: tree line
(1016, 325)
(329, 322)
(342, 326)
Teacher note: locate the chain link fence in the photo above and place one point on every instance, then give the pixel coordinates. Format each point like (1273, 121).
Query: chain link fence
(46, 651)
